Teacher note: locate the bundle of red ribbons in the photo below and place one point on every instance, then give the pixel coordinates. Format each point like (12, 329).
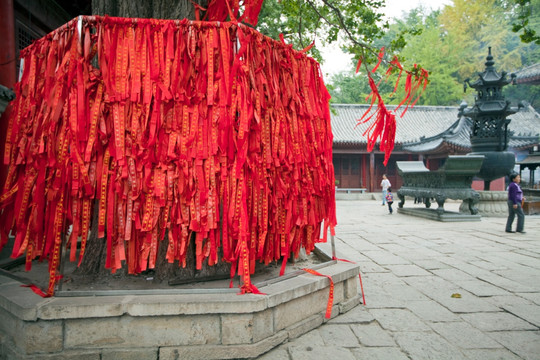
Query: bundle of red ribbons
(167, 128)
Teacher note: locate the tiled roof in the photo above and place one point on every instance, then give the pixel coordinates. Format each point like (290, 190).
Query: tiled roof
(424, 128)
(529, 75)
(419, 121)
(530, 160)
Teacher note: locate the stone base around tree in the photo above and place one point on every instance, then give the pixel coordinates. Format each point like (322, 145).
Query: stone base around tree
(216, 324)
(491, 204)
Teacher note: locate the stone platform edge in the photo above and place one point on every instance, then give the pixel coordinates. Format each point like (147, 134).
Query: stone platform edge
(432, 214)
(218, 325)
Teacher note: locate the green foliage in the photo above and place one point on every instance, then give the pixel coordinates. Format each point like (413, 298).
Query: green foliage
(527, 19)
(351, 88)
(357, 23)
(452, 44)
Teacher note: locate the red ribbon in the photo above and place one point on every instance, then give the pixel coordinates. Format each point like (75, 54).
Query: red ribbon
(331, 293)
(215, 130)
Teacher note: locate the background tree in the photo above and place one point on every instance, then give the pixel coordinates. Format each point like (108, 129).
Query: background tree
(527, 22)
(356, 23)
(452, 44)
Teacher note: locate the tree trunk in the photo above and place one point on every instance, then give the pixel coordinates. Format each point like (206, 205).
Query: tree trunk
(95, 253)
(157, 9)
(93, 263)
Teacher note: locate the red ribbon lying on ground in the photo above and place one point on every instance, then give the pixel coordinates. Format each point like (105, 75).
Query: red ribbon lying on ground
(178, 120)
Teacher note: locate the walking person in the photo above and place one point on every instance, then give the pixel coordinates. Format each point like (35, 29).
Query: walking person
(515, 198)
(390, 200)
(385, 184)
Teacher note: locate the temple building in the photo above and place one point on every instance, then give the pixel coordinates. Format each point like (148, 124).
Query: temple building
(427, 133)
(529, 75)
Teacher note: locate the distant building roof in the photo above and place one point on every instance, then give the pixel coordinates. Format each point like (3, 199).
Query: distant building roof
(419, 121)
(533, 159)
(430, 129)
(529, 75)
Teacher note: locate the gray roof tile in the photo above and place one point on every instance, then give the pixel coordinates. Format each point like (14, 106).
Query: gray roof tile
(426, 127)
(529, 74)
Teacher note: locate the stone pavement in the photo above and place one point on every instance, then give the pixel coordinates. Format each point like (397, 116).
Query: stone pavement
(433, 290)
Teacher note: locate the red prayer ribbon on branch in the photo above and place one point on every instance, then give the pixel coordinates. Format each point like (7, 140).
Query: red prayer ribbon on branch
(383, 128)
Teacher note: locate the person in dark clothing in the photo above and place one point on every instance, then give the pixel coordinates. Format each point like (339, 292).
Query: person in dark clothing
(515, 198)
(390, 200)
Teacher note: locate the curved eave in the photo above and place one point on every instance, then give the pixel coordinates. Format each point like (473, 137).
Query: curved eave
(530, 160)
(439, 146)
(529, 75)
(523, 143)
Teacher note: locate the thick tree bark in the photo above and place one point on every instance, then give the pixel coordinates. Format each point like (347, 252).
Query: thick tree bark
(157, 9)
(93, 263)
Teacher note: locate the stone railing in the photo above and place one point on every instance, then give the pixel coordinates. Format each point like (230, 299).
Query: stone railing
(452, 181)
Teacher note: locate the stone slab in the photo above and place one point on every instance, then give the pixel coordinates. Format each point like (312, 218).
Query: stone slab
(193, 304)
(398, 320)
(40, 337)
(382, 353)
(407, 270)
(427, 346)
(350, 304)
(372, 335)
(128, 331)
(431, 311)
(358, 315)
(481, 288)
(218, 352)
(312, 337)
(338, 335)
(500, 321)
(305, 326)
(19, 301)
(527, 312)
(464, 335)
(320, 352)
(85, 307)
(526, 344)
(490, 354)
(280, 353)
(130, 354)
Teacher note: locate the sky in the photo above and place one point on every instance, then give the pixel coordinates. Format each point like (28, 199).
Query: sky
(336, 61)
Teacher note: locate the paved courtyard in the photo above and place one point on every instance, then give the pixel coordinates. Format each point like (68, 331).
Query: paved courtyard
(433, 290)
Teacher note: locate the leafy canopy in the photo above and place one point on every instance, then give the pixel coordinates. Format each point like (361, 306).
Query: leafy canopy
(452, 43)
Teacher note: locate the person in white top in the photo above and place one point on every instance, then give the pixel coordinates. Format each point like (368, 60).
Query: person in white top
(385, 184)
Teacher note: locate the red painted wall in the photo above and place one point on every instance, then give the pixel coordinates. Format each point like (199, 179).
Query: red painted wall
(496, 185)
